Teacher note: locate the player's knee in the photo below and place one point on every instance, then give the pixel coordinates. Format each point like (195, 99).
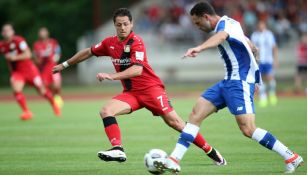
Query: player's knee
(105, 112)
(247, 131)
(176, 124)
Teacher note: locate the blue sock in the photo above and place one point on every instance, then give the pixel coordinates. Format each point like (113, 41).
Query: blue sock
(187, 137)
(267, 140)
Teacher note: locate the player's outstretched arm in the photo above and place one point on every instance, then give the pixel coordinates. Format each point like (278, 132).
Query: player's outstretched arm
(131, 72)
(26, 54)
(212, 42)
(77, 58)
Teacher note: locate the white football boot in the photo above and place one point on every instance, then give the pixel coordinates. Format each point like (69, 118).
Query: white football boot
(293, 163)
(114, 154)
(170, 164)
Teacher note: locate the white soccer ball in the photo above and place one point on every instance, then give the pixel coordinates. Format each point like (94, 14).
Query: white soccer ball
(150, 157)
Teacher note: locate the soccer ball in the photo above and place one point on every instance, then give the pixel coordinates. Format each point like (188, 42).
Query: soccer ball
(150, 157)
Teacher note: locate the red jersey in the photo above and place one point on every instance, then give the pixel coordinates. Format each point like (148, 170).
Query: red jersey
(16, 47)
(45, 51)
(125, 54)
(302, 54)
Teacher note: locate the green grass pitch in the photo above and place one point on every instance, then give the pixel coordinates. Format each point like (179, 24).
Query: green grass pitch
(68, 145)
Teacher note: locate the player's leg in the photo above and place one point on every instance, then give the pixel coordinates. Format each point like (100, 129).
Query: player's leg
(298, 79)
(56, 87)
(239, 99)
(272, 85)
(122, 104)
(173, 120)
(201, 110)
(46, 93)
(17, 84)
(263, 98)
(246, 123)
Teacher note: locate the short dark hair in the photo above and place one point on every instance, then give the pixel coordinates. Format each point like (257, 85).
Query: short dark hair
(202, 8)
(122, 12)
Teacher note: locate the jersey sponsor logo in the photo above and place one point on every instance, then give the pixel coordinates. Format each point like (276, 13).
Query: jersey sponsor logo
(121, 62)
(112, 47)
(139, 56)
(127, 48)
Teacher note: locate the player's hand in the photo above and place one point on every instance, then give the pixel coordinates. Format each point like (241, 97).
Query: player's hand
(9, 57)
(103, 76)
(192, 52)
(257, 87)
(57, 68)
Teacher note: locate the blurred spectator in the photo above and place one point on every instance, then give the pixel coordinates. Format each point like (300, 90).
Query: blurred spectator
(264, 39)
(282, 28)
(301, 74)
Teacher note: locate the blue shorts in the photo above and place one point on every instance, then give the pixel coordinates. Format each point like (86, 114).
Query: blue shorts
(237, 95)
(266, 68)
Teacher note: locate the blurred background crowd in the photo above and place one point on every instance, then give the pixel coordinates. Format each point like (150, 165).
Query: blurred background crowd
(286, 18)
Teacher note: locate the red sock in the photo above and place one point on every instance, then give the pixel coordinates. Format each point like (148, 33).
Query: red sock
(112, 130)
(202, 143)
(21, 101)
(48, 95)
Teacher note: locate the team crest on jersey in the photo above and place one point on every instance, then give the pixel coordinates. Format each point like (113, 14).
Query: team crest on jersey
(127, 48)
(12, 46)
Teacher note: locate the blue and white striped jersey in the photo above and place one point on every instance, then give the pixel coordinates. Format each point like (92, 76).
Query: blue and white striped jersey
(265, 41)
(239, 61)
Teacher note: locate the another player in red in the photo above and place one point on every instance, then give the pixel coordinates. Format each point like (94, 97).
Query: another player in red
(47, 53)
(18, 57)
(142, 87)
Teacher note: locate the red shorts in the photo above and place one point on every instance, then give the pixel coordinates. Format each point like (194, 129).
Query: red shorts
(30, 76)
(48, 77)
(154, 99)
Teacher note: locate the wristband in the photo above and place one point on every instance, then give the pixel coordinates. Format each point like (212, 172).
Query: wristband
(65, 64)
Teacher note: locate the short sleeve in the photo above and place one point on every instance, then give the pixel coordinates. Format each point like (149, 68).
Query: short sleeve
(22, 45)
(220, 26)
(100, 49)
(138, 53)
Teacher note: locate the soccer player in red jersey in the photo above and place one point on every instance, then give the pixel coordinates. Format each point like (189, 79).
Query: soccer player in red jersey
(47, 53)
(142, 87)
(18, 57)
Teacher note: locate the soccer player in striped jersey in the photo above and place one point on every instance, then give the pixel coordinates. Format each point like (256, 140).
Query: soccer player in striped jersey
(264, 39)
(236, 91)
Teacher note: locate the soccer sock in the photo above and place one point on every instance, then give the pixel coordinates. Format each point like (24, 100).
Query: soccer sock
(187, 136)
(272, 88)
(112, 130)
(262, 92)
(269, 141)
(48, 95)
(21, 101)
(202, 143)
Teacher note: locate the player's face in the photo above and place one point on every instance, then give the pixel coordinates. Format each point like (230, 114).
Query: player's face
(43, 33)
(7, 32)
(261, 26)
(202, 23)
(123, 26)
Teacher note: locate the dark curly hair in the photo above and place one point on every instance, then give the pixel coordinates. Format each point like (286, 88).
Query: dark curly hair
(122, 12)
(202, 8)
